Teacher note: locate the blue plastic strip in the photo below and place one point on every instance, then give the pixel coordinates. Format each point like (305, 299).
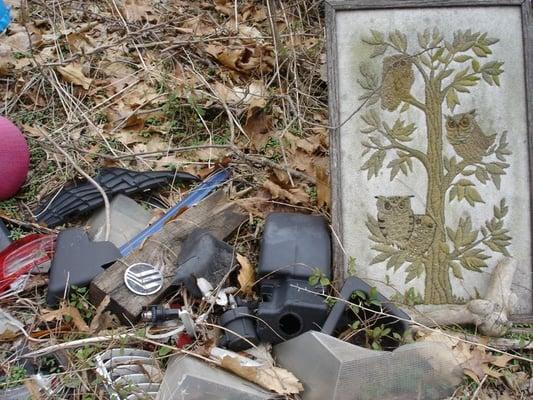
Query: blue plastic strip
(194, 197)
(5, 17)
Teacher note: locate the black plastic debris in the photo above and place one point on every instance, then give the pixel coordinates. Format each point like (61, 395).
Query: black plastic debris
(203, 256)
(77, 261)
(294, 248)
(240, 333)
(4, 236)
(79, 198)
(341, 316)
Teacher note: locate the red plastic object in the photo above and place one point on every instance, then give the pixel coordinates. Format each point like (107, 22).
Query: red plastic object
(183, 340)
(23, 255)
(14, 159)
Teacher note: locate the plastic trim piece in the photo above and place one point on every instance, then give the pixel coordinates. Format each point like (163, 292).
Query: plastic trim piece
(400, 320)
(195, 196)
(82, 197)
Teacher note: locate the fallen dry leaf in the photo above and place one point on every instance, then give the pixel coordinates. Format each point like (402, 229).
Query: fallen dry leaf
(257, 125)
(64, 311)
(294, 195)
(248, 32)
(323, 190)
(502, 360)
(198, 26)
(242, 59)
(97, 320)
(276, 379)
(210, 154)
(73, 73)
(246, 277)
(253, 95)
(225, 7)
(309, 144)
(478, 361)
(138, 11)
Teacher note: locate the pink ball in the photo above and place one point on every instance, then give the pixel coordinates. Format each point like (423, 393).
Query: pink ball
(14, 159)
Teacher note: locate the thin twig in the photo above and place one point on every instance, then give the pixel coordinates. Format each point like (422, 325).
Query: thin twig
(89, 179)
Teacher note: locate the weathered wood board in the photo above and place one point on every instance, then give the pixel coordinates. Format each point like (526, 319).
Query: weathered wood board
(216, 214)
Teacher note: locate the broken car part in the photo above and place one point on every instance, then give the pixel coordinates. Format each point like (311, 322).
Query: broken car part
(239, 329)
(335, 370)
(127, 219)
(14, 157)
(194, 197)
(129, 374)
(143, 279)
(76, 262)
(203, 256)
(23, 256)
(216, 213)
(294, 248)
(212, 296)
(188, 378)
(80, 198)
(341, 315)
(5, 239)
(158, 313)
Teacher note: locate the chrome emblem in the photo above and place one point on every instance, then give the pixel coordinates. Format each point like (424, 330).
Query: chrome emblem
(143, 279)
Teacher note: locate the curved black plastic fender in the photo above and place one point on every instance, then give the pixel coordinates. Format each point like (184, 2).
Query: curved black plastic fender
(82, 197)
(396, 319)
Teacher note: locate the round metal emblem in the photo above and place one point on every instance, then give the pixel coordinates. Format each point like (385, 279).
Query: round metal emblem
(143, 279)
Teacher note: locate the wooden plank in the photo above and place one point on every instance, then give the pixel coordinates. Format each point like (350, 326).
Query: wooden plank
(339, 258)
(215, 214)
(527, 29)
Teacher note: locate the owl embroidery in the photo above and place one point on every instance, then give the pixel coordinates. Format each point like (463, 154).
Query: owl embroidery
(466, 137)
(395, 219)
(397, 79)
(423, 235)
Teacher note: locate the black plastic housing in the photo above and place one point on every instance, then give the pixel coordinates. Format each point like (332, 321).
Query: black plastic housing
(295, 245)
(339, 318)
(240, 321)
(294, 248)
(76, 262)
(203, 256)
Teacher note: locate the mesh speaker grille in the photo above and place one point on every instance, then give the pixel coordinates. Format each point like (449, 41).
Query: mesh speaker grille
(414, 371)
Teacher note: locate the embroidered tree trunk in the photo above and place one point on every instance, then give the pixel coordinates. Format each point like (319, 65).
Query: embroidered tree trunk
(423, 243)
(438, 287)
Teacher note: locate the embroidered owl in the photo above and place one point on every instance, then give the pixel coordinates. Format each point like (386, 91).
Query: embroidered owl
(396, 82)
(395, 219)
(466, 137)
(422, 236)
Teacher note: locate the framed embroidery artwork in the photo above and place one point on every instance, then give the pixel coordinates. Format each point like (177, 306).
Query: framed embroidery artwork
(431, 112)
